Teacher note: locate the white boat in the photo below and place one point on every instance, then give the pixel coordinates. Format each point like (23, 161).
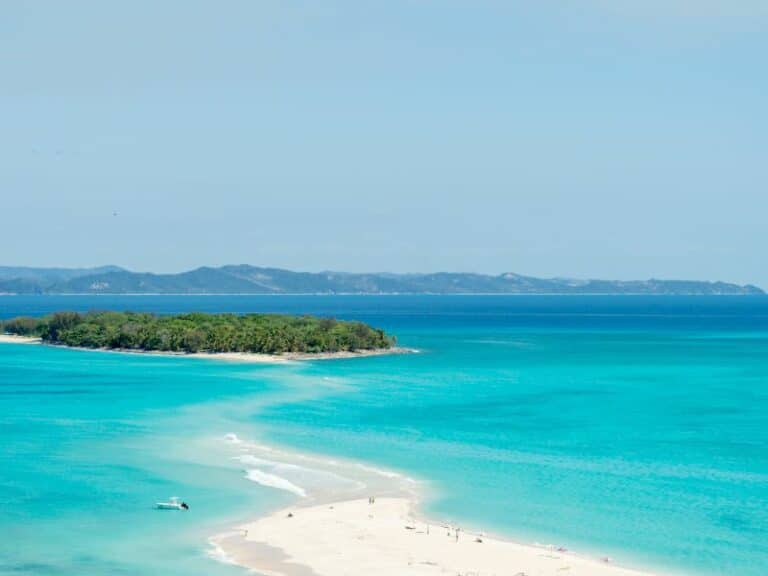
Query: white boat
(172, 504)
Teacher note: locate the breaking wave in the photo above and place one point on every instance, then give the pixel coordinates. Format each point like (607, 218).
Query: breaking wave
(274, 481)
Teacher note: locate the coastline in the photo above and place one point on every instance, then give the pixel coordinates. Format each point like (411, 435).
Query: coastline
(241, 357)
(334, 529)
(14, 339)
(250, 357)
(389, 537)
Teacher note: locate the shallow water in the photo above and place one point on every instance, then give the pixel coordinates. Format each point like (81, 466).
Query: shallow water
(630, 426)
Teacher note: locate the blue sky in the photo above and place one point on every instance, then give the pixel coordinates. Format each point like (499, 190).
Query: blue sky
(597, 138)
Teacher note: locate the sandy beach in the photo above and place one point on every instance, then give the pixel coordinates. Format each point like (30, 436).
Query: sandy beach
(336, 528)
(244, 357)
(13, 339)
(385, 538)
(248, 357)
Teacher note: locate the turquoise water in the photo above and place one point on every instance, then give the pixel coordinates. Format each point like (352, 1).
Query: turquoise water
(625, 426)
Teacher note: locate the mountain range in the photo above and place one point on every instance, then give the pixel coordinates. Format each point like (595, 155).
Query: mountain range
(245, 279)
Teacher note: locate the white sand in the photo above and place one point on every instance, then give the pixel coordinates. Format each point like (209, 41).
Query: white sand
(244, 357)
(13, 339)
(250, 357)
(385, 539)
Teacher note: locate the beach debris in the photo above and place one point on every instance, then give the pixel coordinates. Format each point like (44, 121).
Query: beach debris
(407, 527)
(290, 515)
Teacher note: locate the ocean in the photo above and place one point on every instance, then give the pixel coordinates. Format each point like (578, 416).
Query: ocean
(625, 426)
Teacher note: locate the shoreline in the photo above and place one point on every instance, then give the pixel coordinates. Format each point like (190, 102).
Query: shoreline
(238, 357)
(334, 529)
(390, 536)
(14, 339)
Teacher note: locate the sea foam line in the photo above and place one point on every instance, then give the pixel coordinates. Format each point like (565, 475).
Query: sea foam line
(217, 553)
(274, 481)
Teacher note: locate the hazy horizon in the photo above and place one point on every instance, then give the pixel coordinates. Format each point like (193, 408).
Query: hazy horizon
(382, 272)
(585, 140)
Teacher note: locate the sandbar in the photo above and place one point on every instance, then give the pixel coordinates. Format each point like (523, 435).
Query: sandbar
(387, 537)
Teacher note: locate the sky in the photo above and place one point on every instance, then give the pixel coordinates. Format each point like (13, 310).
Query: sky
(593, 139)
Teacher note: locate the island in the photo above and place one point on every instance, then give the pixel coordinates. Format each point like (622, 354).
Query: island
(199, 333)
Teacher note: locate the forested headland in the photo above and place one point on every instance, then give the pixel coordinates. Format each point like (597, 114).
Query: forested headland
(198, 332)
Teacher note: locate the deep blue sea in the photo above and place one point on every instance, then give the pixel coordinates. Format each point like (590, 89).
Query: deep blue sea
(634, 427)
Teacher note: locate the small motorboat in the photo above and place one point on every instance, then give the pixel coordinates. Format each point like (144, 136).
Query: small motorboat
(172, 504)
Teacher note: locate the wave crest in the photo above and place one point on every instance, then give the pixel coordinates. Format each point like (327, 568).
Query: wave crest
(274, 481)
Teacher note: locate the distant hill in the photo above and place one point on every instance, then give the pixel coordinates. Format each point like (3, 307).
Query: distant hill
(244, 279)
(51, 274)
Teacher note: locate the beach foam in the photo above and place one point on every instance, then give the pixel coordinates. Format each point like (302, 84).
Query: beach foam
(232, 438)
(301, 480)
(274, 481)
(217, 553)
(383, 472)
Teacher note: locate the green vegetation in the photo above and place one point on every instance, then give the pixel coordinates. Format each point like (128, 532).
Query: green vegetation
(258, 333)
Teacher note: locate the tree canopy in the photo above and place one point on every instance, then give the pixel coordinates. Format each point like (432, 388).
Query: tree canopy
(197, 332)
